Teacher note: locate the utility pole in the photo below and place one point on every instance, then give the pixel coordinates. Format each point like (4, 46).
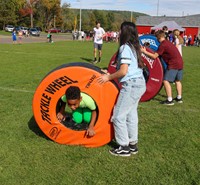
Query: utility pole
(131, 16)
(157, 7)
(80, 16)
(54, 21)
(31, 15)
(79, 37)
(31, 12)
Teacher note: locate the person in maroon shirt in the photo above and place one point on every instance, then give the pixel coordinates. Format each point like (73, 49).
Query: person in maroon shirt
(174, 72)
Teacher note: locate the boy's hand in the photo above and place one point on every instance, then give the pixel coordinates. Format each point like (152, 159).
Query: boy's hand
(90, 132)
(60, 117)
(143, 49)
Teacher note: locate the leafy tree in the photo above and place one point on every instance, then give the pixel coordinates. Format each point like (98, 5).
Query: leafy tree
(27, 12)
(89, 22)
(68, 17)
(39, 15)
(9, 11)
(52, 12)
(110, 20)
(100, 16)
(49, 13)
(92, 20)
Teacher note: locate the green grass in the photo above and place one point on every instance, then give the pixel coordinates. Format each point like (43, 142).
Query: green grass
(169, 141)
(3, 32)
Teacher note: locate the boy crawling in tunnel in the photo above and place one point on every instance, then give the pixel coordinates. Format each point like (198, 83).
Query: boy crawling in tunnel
(83, 108)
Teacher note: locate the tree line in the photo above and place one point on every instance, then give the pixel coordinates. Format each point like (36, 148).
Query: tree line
(50, 13)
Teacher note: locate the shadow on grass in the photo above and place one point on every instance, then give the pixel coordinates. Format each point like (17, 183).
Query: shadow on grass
(159, 97)
(35, 128)
(87, 59)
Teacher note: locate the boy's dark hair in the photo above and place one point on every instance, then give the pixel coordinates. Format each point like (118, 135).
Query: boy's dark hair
(73, 93)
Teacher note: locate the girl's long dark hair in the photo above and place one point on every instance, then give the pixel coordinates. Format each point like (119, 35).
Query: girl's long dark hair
(129, 36)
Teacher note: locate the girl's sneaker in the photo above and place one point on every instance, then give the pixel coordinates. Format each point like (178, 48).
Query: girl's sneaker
(123, 151)
(133, 149)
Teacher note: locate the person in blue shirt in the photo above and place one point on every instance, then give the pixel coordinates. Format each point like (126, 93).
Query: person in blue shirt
(14, 37)
(130, 75)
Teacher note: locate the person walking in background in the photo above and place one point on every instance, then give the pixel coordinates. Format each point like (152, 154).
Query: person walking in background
(99, 33)
(49, 37)
(196, 40)
(20, 35)
(130, 75)
(178, 40)
(82, 35)
(185, 40)
(190, 40)
(174, 73)
(14, 37)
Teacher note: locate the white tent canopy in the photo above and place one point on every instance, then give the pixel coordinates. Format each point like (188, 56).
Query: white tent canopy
(171, 25)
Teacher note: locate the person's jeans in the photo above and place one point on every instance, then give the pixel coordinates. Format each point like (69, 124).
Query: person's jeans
(125, 115)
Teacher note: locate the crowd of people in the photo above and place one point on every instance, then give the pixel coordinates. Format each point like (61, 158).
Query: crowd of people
(185, 40)
(109, 36)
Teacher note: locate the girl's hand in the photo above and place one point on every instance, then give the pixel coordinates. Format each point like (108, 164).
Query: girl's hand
(103, 79)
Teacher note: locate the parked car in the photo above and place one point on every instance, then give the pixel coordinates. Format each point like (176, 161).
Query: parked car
(17, 28)
(67, 31)
(38, 28)
(34, 32)
(9, 28)
(54, 30)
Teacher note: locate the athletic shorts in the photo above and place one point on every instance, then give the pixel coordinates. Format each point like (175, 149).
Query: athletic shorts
(98, 46)
(173, 75)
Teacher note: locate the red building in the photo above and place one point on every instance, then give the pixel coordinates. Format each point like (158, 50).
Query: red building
(190, 23)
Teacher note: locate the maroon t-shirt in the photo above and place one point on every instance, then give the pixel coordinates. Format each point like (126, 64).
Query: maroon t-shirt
(170, 54)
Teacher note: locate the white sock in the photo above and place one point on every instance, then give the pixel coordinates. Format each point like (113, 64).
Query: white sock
(169, 98)
(179, 97)
(133, 143)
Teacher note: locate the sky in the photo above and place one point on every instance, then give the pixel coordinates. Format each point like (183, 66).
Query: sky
(150, 7)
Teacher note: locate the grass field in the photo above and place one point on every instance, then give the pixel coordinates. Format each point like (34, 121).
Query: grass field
(169, 137)
(2, 32)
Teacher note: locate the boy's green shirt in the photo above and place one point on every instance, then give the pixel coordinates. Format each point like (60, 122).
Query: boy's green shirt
(86, 102)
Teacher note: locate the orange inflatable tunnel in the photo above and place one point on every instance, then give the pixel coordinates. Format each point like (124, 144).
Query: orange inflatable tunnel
(53, 87)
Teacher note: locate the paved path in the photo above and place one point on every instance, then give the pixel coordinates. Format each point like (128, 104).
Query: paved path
(31, 39)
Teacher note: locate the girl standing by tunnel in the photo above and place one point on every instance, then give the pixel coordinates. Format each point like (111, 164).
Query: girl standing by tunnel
(130, 75)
